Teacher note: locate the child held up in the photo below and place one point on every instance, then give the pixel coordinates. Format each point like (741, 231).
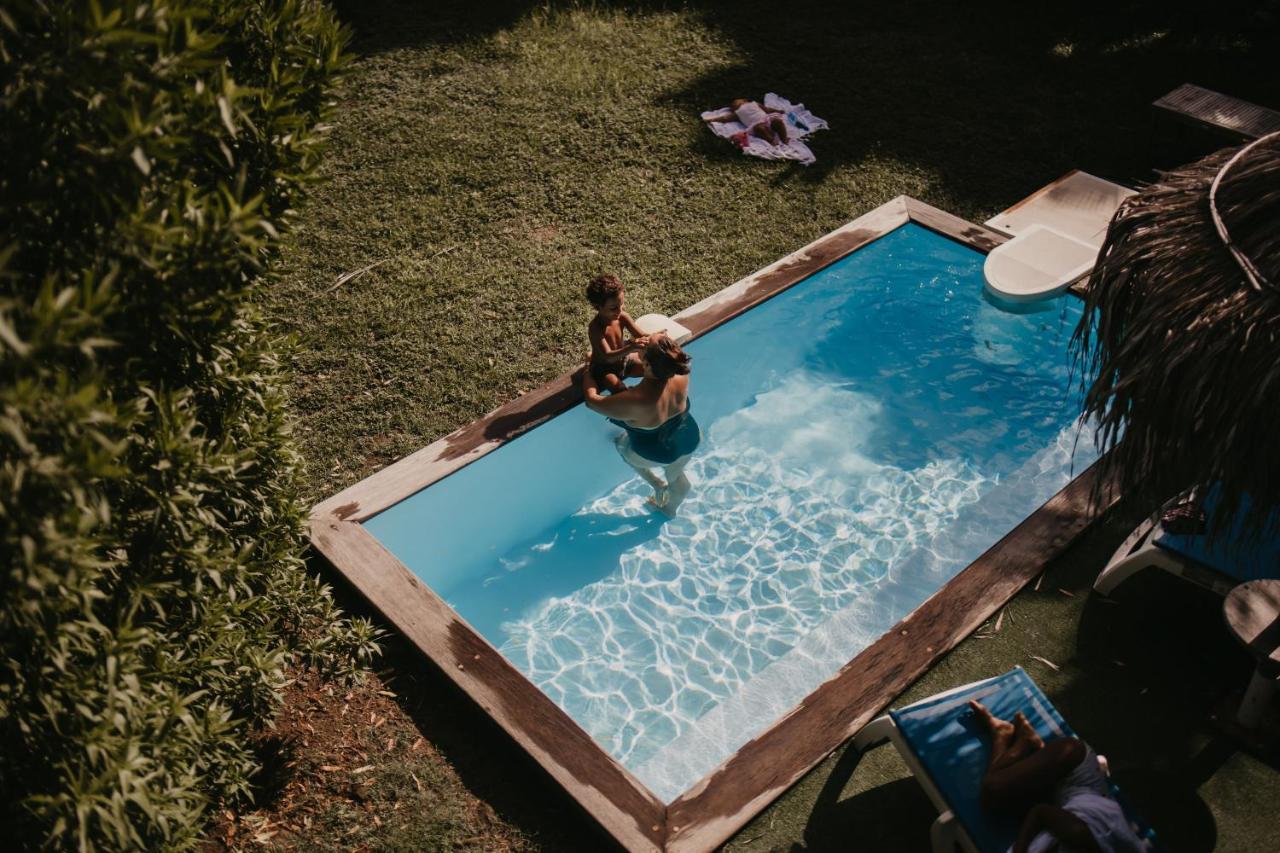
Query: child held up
(613, 357)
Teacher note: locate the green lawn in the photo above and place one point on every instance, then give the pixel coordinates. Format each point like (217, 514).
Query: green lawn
(490, 157)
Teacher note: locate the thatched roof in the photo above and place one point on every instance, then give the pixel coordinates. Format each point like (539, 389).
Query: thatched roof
(1181, 334)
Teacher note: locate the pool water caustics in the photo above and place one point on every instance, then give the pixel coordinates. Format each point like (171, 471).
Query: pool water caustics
(866, 435)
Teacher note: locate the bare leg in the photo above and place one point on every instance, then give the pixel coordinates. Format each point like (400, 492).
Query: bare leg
(678, 488)
(1032, 778)
(613, 383)
(765, 132)
(1023, 768)
(640, 464)
(1024, 731)
(780, 128)
(1001, 731)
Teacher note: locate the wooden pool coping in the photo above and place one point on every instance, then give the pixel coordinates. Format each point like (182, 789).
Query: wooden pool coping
(720, 803)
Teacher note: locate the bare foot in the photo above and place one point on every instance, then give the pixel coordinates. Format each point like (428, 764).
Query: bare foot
(1024, 742)
(1024, 731)
(999, 728)
(661, 498)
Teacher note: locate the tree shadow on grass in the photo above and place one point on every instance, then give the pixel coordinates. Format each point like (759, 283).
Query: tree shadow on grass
(988, 100)
(382, 25)
(1156, 660)
(1152, 661)
(993, 99)
(491, 765)
(1156, 663)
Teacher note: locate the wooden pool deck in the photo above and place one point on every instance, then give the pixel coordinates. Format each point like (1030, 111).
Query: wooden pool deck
(1210, 110)
(722, 802)
(1078, 204)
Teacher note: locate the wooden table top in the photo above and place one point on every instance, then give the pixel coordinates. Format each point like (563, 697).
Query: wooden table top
(1253, 614)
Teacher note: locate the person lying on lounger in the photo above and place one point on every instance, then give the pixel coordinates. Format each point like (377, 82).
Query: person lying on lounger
(765, 122)
(1059, 784)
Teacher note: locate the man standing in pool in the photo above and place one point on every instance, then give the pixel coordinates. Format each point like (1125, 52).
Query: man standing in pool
(658, 429)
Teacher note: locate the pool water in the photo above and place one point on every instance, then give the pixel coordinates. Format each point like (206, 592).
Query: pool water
(867, 434)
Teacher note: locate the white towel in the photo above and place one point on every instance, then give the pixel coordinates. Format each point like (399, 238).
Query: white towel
(800, 123)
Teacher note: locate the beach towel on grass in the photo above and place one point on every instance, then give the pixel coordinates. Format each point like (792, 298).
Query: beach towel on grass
(800, 123)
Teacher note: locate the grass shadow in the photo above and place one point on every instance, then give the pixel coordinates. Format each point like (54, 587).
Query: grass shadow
(887, 818)
(1156, 651)
(991, 101)
(488, 761)
(379, 26)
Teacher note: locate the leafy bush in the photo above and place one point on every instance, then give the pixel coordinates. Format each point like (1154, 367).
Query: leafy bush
(153, 592)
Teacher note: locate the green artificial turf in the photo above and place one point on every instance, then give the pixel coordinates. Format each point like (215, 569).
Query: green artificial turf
(488, 158)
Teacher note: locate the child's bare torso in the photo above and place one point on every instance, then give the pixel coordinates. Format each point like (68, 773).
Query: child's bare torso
(612, 335)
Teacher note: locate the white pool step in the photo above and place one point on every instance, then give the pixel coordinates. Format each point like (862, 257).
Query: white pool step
(1057, 233)
(651, 324)
(1039, 263)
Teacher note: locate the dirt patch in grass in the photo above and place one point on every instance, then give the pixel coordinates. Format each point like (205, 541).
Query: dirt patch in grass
(544, 233)
(351, 769)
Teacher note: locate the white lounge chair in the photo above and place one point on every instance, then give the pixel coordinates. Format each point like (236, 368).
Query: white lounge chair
(1057, 233)
(1219, 563)
(946, 753)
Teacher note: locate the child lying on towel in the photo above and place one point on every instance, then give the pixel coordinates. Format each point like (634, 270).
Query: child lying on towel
(765, 122)
(772, 129)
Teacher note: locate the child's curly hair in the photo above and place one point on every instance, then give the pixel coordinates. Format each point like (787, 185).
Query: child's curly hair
(602, 288)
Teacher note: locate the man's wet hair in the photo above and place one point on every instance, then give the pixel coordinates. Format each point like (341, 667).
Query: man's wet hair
(665, 358)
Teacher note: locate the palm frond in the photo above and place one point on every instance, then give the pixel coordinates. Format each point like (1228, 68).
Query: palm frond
(1179, 348)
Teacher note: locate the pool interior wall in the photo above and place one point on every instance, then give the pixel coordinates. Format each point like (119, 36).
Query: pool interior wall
(867, 434)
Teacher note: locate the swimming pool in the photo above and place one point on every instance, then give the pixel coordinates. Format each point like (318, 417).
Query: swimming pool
(868, 433)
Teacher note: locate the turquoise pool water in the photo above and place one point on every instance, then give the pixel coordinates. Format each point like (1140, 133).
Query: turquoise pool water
(867, 434)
